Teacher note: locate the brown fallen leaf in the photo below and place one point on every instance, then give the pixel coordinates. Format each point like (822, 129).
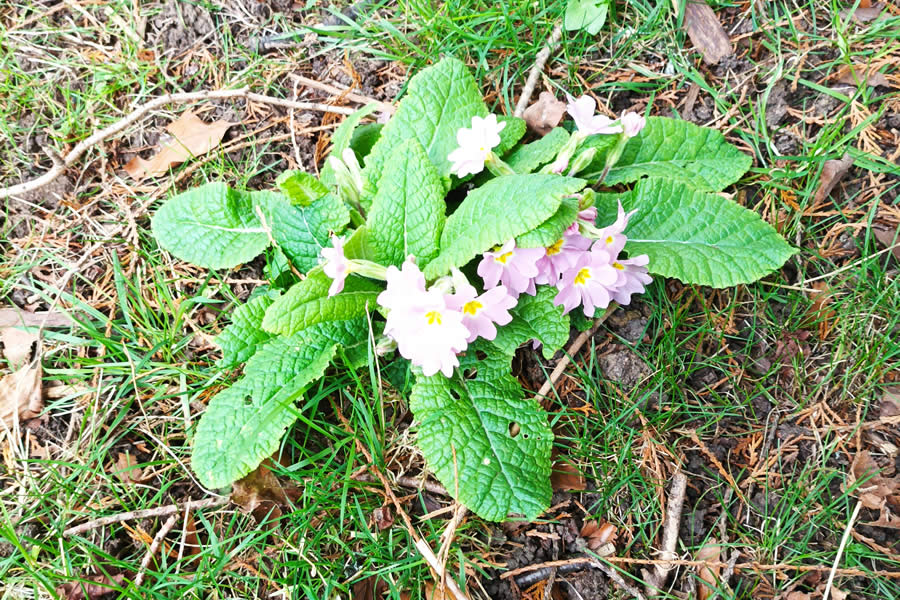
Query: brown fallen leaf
(126, 468)
(705, 30)
(545, 114)
(832, 172)
(857, 75)
(18, 345)
(710, 552)
(383, 517)
(820, 312)
(20, 391)
(876, 491)
(598, 533)
(890, 403)
(261, 494)
(797, 596)
(370, 588)
(14, 317)
(190, 137)
(433, 592)
(95, 587)
(866, 11)
(887, 237)
(566, 477)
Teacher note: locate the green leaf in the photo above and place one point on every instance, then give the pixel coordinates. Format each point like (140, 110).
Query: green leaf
(440, 100)
(302, 231)
(308, 303)
(364, 139)
(244, 335)
(501, 209)
(359, 245)
(589, 15)
(464, 433)
(342, 139)
(211, 226)
(244, 424)
(539, 152)
(301, 188)
(509, 135)
(552, 229)
(679, 151)
(407, 213)
(535, 318)
(700, 237)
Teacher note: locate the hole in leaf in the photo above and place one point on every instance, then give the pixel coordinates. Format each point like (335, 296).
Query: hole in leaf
(471, 373)
(480, 355)
(514, 429)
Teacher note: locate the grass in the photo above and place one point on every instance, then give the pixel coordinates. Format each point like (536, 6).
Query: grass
(139, 365)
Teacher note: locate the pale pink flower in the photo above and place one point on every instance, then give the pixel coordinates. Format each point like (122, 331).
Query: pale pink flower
(636, 278)
(480, 312)
(612, 236)
(561, 256)
(336, 266)
(559, 165)
(475, 145)
(632, 123)
(428, 332)
(513, 267)
(582, 112)
(590, 282)
(588, 215)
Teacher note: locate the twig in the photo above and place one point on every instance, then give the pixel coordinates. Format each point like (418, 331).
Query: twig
(840, 552)
(533, 75)
(619, 580)
(154, 546)
(160, 511)
(572, 350)
(352, 96)
(674, 506)
(140, 111)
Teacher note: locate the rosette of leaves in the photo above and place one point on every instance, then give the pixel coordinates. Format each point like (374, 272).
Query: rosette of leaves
(482, 435)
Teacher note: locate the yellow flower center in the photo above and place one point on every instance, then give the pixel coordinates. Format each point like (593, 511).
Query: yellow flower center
(434, 317)
(555, 248)
(472, 307)
(503, 258)
(619, 266)
(609, 240)
(582, 276)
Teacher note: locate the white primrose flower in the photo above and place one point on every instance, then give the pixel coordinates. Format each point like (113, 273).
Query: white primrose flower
(475, 145)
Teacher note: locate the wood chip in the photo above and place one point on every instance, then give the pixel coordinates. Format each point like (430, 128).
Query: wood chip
(706, 31)
(832, 173)
(566, 477)
(545, 114)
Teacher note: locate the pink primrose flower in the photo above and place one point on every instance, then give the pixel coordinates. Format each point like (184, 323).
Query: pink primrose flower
(480, 312)
(582, 112)
(513, 267)
(336, 266)
(633, 123)
(590, 282)
(475, 144)
(635, 278)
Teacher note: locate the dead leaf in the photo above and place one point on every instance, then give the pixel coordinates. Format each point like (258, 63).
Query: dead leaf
(866, 11)
(820, 312)
(797, 596)
(370, 588)
(433, 592)
(706, 31)
(598, 533)
(545, 114)
(856, 75)
(876, 491)
(261, 494)
(95, 587)
(832, 173)
(126, 468)
(14, 317)
(709, 575)
(383, 517)
(20, 395)
(890, 403)
(190, 137)
(18, 345)
(888, 238)
(566, 477)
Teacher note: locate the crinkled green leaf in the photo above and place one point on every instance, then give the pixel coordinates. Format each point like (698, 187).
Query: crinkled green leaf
(210, 226)
(501, 209)
(407, 214)
(359, 245)
(535, 318)
(529, 157)
(302, 231)
(589, 15)
(364, 139)
(301, 188)
(679, 151)
(552, 229)
(440, 100)
(700, 237)
(342, 139)
(308, 303)
(244, 424)
(510, 134)
(464, 433)
(245, 334)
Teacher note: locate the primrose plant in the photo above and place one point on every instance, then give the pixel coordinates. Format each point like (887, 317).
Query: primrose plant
(438, 244)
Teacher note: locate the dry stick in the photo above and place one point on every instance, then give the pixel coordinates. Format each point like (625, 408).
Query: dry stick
(60, 165)
(747, 566)
(533, 75)
(423, 547)
(160, 511)
(840, 552)
(572, 350)
(674, 506)
(154, 546)
(352, 96)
